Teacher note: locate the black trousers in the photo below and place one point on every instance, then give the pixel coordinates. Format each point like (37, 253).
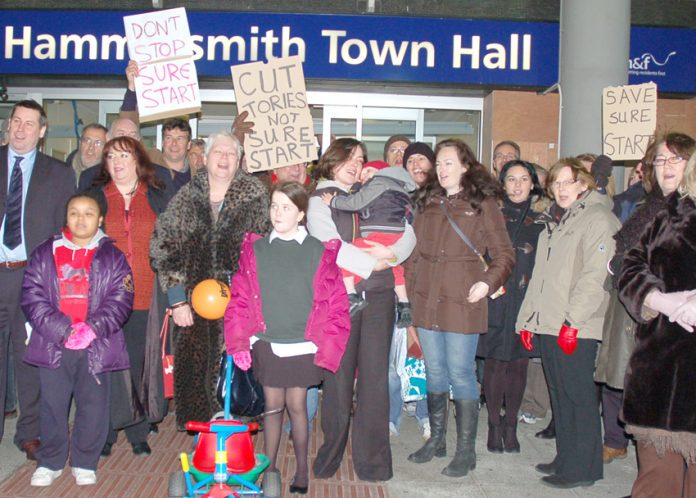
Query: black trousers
(367, 354)
(614, 435)
(59, 386)
(575, 405)
(134, 333)
(13, 335)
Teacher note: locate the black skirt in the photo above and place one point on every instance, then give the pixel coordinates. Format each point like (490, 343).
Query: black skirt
(291, 371)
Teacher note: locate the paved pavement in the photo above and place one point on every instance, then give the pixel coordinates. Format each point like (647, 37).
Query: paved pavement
(495, 475)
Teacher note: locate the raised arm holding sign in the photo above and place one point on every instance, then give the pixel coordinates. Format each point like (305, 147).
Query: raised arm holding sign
(167, 82)
(274, 96)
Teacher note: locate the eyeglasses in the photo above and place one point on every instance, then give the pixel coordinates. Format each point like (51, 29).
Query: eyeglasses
(564, 183)
(507, 157)
(87, 142)
(397, 150)
(662, 160)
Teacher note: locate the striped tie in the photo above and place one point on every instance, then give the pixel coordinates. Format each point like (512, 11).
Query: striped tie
(13, 208)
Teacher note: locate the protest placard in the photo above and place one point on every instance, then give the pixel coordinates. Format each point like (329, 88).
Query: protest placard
(274, 94)
(167, 82)
(629, 119)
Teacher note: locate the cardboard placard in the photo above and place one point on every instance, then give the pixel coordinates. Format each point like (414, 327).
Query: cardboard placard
(167, 84)
(274, 94)
(629, 119)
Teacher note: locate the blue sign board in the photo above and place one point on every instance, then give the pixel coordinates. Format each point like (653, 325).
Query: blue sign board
(373, 48)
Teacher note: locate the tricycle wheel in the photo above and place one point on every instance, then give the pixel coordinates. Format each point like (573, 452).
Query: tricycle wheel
(177, 485)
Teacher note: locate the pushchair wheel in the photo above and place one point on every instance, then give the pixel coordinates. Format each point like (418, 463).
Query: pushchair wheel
(177, 485)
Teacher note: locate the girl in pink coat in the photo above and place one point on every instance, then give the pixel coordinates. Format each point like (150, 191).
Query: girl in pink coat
(289, 306)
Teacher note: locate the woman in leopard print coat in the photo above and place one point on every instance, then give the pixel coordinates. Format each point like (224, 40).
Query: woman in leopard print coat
(199, 237)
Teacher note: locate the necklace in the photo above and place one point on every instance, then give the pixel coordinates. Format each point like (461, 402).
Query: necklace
(132, 191)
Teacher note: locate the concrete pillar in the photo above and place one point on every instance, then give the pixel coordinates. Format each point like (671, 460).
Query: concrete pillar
(594, 51)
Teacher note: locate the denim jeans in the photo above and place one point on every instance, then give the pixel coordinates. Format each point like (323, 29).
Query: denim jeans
(450, 361)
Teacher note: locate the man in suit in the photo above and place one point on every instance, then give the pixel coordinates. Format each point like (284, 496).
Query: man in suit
(34, 189)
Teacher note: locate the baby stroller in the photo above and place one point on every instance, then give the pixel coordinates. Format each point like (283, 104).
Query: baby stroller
(223, 462)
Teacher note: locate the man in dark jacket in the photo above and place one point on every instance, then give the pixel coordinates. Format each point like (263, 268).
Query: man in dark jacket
(35, 189)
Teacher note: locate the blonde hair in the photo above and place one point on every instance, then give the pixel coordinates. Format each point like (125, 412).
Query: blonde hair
(580, 174)
(688, 183)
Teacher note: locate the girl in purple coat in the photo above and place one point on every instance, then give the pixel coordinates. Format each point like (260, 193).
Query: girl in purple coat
(77, 294)
(289, 305)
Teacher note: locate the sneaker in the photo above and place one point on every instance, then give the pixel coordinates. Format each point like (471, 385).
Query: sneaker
(44, 476)
(356, 303)
(393, 431)
(84, 477)
(528, 418)
(404, 318)
(425, 430)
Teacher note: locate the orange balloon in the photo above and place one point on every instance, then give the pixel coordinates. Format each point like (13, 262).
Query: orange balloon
(210, 298)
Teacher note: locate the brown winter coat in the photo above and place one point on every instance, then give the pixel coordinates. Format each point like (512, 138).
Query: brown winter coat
(660, 378)
(442, 268)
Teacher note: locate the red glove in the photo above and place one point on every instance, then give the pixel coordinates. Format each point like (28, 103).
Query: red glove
(526, 338)
(568, 338)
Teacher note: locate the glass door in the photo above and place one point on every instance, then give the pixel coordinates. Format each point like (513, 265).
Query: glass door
(371, 125)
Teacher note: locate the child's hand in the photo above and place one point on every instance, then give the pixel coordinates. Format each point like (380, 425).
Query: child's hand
(326, 197)
(242, 359)
(81, 337)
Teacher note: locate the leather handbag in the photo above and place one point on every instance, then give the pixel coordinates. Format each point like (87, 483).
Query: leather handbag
(246, 394)
(167, 359)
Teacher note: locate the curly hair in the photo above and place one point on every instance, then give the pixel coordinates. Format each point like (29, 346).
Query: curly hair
(688, 183)
(143, 166)
(476, 182)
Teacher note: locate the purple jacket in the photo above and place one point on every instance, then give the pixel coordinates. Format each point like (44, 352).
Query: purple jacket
(328, 324)
(110, 305)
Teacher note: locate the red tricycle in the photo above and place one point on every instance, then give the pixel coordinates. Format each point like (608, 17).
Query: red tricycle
(223, 462)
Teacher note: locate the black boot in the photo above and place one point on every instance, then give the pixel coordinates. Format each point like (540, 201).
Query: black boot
(437, 414)
(549, 432)
(512, 445)
(495, 438)
(466, 416)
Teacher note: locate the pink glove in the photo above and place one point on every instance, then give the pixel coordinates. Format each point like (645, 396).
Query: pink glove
(242, 359)
(81, 337)
(526, 338)
(568, 338)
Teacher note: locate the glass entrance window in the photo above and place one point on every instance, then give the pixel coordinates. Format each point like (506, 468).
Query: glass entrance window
(372, 118)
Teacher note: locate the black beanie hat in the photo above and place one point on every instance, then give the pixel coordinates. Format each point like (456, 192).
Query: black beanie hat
(419, 148)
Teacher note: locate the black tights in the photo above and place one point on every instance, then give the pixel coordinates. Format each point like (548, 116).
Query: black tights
(295, 400)
(504, 380)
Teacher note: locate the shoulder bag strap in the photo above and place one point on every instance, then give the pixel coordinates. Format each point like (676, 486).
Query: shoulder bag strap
(463, 236)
